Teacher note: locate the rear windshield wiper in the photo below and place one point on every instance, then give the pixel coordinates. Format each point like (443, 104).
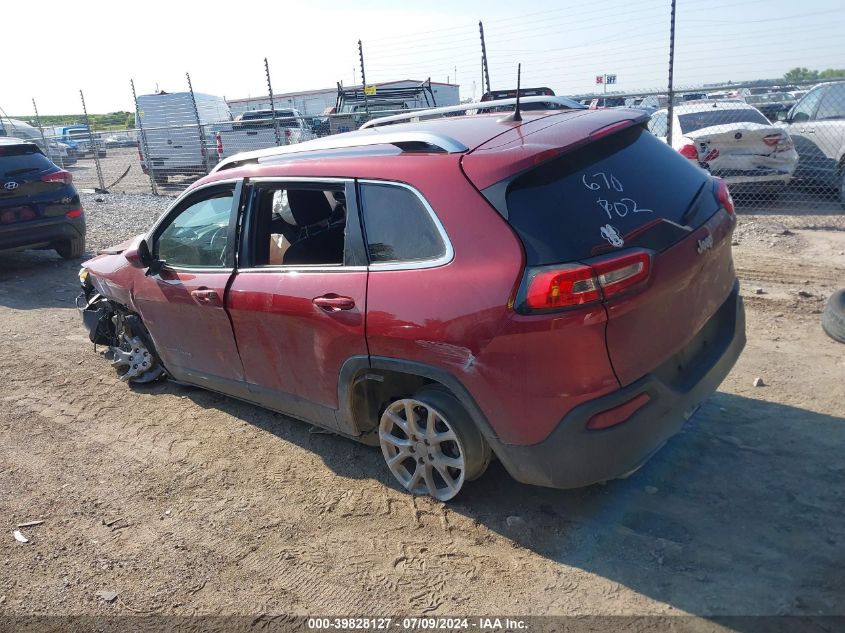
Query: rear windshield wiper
(693, 206)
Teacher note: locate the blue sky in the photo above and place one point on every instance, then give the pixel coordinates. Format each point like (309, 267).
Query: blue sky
(98, 46)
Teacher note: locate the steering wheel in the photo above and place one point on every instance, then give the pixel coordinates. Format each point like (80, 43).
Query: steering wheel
(214, 237)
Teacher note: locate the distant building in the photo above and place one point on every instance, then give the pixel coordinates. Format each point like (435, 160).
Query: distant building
(314, 102)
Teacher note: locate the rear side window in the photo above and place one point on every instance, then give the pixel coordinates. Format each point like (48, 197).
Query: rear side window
(21, 159)
(700, 120)
(398, 226)
(602, 196)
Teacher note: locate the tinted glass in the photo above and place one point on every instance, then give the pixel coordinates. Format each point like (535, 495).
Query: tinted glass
(19, 160)
(807, 106)
(398, 226)
(832, 105)
(700, 120)
(197, 236)
(598, 198)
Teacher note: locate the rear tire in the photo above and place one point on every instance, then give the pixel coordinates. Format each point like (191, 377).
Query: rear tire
(71, 249)
(833, 317)
(431, 445)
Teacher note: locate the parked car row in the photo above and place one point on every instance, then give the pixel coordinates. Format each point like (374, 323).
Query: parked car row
(735, 140)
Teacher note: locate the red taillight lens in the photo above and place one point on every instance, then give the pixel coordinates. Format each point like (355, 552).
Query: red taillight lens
(618, 415)
(616, 274)
(779, 141)
(560, 287)
(287, 133)
(723, 195)
(689, 151)
(59, 176)
(713, 154)
(76, 213)
(219, 144)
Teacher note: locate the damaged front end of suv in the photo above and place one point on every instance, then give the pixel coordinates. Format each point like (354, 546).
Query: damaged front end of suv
(130, 347)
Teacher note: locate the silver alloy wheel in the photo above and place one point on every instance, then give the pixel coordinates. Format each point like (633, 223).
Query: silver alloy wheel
(139, 363)
(421, 449)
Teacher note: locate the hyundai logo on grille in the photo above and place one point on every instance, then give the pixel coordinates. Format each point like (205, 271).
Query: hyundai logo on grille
(11, 185)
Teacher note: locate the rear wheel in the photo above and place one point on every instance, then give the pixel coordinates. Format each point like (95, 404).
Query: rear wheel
(430, 444)
(71, 249)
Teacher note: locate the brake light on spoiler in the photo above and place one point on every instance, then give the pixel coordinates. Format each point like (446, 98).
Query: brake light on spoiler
(563, 286)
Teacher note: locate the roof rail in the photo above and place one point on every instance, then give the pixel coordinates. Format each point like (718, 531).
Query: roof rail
(560, 103)
(410, 141)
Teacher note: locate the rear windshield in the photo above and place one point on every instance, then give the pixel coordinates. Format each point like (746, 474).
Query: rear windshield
(700, 120)
(601, 197)
(256, 121)
(21, 159)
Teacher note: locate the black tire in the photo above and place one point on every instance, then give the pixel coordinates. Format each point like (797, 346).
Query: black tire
(833, 317)
(477, 451)
(71, 249)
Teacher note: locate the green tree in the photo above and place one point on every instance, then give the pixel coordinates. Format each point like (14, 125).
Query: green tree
(832, 73)
(801, 74)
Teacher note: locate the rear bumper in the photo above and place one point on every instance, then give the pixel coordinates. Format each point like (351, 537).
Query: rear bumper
(41, 232)
(573, 456)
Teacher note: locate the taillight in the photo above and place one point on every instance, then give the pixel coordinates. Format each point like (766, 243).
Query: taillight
(59, 176)
(219, 144)
(618, 273)
(561, 287)
(76, 213)
(287, 133)
(723, 195)
(780, 141)
(713, 154)
(689, 151)
(552, 288)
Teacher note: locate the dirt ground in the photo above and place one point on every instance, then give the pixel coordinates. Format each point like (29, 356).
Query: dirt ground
(186, 502)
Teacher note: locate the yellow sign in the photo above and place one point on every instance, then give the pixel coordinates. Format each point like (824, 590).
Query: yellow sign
(370, 91)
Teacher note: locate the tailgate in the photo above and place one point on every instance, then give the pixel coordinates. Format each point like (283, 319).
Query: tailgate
(689, 282)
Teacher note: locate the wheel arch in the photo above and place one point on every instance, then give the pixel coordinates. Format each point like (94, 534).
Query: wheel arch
(365, 383)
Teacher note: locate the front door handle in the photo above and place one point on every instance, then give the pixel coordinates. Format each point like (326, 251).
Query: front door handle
(206, 297)
(333, 303)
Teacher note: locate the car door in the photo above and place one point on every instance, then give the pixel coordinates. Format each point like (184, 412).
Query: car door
(298, 300)
(827, 127)
(182, 304)
(800, 125)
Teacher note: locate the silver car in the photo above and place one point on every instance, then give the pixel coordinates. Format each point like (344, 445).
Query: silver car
(817, 126)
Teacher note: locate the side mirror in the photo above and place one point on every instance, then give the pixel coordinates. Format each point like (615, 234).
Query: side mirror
(799, 117)
(139, 256)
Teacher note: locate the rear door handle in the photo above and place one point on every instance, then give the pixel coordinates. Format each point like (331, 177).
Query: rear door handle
(206, 297)
(333, 303)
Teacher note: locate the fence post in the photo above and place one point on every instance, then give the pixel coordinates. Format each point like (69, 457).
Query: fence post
(143, 141)
(203, 147)
(43, 138)
(484, 67)
(272, 103)
(93, 145)
(363, 78)
(671, 107)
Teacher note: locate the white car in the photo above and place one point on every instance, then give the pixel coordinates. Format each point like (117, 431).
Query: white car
(732, 140)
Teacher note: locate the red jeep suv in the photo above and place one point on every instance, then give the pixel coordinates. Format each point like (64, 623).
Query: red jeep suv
(557, 292)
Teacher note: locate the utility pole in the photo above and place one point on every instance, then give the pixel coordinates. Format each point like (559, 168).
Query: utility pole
(485, 68)
(671, 110)
(363, 77)
(272, 103)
